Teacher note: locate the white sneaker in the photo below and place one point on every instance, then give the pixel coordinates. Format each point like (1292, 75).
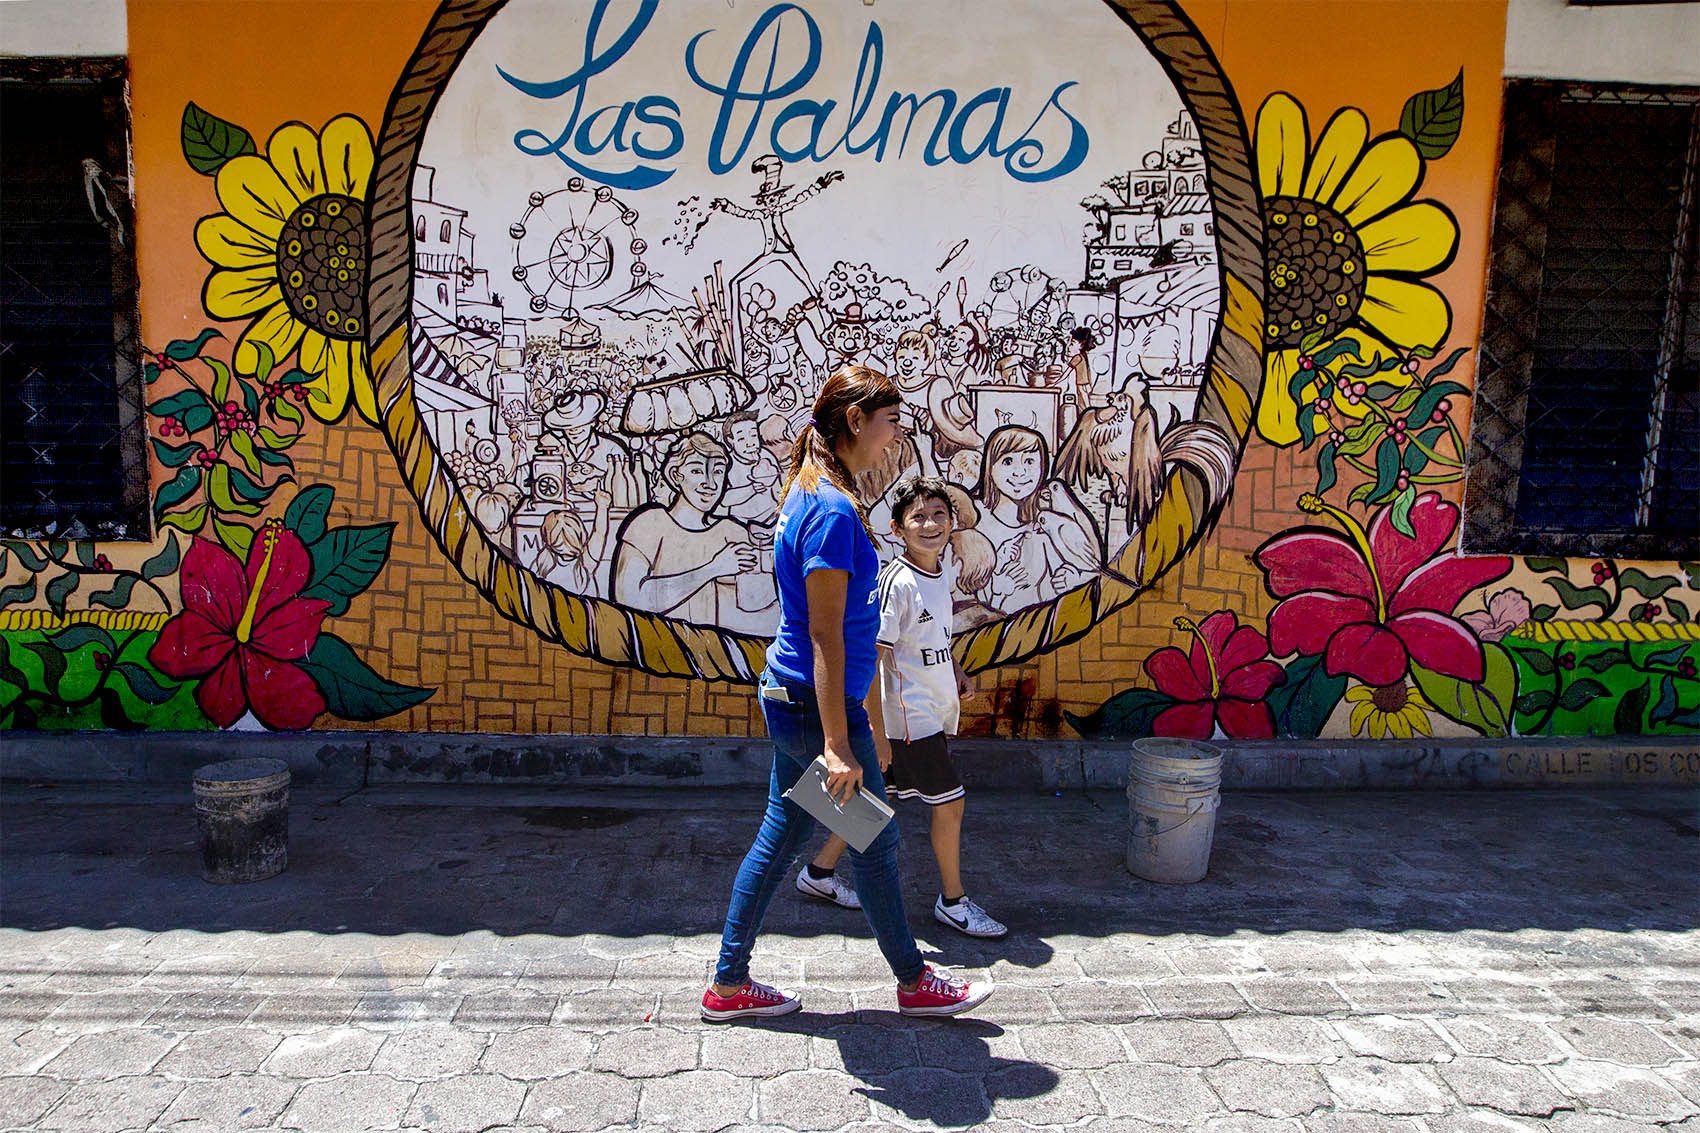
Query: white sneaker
(828, 889)
(967, 917)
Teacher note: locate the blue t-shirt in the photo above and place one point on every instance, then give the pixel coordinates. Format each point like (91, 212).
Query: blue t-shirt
(820, 531)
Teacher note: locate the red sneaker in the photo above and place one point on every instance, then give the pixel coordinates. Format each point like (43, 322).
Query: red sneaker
(941, 993)
(752, 999)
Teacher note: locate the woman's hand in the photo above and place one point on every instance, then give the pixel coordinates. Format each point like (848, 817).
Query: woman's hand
(843, 775)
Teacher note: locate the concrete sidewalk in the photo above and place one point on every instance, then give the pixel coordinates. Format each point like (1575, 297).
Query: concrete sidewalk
(456, 958)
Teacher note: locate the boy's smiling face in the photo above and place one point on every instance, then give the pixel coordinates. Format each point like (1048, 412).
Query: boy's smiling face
(925, 528)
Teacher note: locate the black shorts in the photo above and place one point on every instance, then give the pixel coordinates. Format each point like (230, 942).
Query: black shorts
(922, 769)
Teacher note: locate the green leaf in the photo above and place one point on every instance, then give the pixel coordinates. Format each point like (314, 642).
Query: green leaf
(221, 382)
(1486, 706)
(52, 664)
(180, 402)
(346, 561)
(191, 520)
(1666, 705)
(1581, 693)
(1678, 609)
(22, 592)
(1605, 659)
(263, 368)
(1544, 612)
(250, 398)
(1575, 597)
(308, 512)
(142, 683)
(1361, 438)
(1433, 118)
(1432, 395)
(117, 596)
(174, 491)
(1125, 716)
(56, 549)
(1671, 656)
(1537, 658)
(1326, 476)
(1339, 348)
(1544, 566)
(60, 589)
(273, 439)
(1361, 493)
(1446, 366)
(183, 349)
(28, 558)
(235, 537)
(1303, 704)
(286, 411)
(1644, 584)
(276, 460)
(9, 672)
(1532, 702)
(1630, 718)
(218, 491)
(1692, 570)
(352, 690)
(250, 489)
(174, 456)
(150, 372)
(1415, 458)
(72, 638)
(209, 141)
(84, 550)
(1400, 517)
(165, 561)
(243, 446)
(1387, 464)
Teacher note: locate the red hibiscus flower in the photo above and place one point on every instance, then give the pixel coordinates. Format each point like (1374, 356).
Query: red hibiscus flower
(1374, 602)
(242, 629)
(1221, 679)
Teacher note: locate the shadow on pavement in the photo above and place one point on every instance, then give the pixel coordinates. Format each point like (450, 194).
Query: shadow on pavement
(453, 859)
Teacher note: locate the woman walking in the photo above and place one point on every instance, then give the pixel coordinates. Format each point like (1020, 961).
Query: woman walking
(815, 696)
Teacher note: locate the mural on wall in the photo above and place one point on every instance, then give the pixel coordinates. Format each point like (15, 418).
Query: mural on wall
(1379, 629)
(582, 286)
(244, 637)
(630, 269)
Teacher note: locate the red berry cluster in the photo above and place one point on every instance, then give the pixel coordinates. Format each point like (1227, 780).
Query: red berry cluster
(206, 458)
(1686, 667)
(101, 562)
(1566, 660)
(231, 418)
(1603, 571)
(102, 661)
(1650, 611)
(172, 427)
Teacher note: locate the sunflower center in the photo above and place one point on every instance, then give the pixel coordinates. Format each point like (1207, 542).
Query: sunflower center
(1316, 270)
(321, 264)
(1390, 698)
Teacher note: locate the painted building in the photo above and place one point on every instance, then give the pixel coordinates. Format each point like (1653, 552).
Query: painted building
(473, 337)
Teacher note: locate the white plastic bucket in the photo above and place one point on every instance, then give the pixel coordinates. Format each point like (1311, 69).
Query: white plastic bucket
(1173, 790)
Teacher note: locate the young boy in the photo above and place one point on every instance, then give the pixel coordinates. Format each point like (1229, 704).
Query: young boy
(921, 690)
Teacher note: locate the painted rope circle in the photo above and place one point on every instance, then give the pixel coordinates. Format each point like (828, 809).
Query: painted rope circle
(679, 431)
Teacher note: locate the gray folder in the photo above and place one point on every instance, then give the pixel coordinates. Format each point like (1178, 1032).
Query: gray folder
(858, 821)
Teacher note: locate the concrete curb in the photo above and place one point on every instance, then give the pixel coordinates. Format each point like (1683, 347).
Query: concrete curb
(371, 758)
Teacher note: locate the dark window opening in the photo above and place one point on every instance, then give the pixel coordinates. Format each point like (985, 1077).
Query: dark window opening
(1586, 434)
(72, 438)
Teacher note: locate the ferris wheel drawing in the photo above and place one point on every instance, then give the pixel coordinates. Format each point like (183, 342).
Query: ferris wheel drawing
(567, 249)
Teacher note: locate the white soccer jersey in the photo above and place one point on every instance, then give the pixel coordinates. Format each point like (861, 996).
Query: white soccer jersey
(917, 679)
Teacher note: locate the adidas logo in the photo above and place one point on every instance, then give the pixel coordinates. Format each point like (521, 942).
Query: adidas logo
(926, 616)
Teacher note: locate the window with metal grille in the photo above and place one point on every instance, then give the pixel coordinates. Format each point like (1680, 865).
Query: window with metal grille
(1586, 430)
(73, 458)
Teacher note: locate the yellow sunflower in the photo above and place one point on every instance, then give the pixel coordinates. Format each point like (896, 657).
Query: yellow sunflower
(1345, 248)
(1396, 710)
(289, 251)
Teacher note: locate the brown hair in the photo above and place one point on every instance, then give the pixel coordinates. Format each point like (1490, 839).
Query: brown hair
(813, 455)
(1004, 440)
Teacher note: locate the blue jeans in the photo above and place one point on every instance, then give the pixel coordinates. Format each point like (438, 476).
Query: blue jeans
(795, 729)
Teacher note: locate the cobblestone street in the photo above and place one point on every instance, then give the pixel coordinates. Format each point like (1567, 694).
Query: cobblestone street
(452, 958)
